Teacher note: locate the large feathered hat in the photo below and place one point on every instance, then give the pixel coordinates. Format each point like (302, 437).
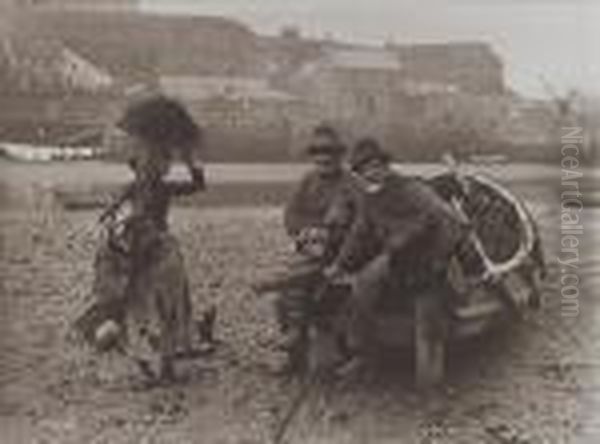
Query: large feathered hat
(162, 122)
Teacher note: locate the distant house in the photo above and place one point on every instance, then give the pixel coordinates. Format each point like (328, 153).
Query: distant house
(350, 85)
(471, 67)
(379, 89)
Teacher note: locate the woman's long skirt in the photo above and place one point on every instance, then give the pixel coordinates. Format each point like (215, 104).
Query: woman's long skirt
(146, 294)
(158, 310)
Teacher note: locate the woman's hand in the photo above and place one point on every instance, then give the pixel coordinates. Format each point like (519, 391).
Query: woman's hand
(196, 170)
(188, 187)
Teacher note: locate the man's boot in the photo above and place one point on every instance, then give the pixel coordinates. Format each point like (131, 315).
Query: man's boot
(292, 319)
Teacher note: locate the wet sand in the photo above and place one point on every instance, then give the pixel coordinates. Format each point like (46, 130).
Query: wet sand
(534, 382)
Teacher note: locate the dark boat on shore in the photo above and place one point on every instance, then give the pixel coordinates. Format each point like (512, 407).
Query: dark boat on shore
(492, 280)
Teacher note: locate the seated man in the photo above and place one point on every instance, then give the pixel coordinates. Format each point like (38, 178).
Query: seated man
(402, 228)
(304, 219)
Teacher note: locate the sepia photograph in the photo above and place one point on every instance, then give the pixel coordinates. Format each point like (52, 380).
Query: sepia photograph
(285, 222)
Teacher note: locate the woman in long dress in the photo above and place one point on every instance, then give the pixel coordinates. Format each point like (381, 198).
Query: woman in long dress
(141, 287)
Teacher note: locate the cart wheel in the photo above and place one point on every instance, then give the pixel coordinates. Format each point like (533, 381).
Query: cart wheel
(429, 341)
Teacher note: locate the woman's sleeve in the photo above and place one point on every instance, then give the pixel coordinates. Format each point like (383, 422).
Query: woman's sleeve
(185, 188)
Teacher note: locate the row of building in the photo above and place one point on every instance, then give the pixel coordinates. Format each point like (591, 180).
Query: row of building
(69, 69)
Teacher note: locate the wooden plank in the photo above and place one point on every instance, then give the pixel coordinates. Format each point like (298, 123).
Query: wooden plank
(480, 309)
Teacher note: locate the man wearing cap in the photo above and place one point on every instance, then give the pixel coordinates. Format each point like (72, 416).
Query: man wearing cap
(305, 220)
(402, 228)
(311, 200)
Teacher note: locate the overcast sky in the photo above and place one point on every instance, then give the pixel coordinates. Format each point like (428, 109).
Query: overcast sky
(556, 39)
